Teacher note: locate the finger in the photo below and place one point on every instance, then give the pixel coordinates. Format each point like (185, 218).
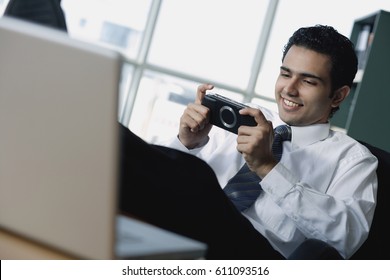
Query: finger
(201, 92)
(256, 113)
(196, 116)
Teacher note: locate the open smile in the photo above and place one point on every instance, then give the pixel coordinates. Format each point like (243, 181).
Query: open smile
(290, 104)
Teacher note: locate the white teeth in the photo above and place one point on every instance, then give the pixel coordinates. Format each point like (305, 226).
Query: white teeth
(289, 103)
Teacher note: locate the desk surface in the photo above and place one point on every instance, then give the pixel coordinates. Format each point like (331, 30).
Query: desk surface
(13, 247)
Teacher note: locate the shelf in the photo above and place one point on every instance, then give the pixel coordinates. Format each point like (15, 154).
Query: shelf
(367, 109)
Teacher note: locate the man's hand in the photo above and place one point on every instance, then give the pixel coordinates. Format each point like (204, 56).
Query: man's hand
(255, 143)
(194, 123)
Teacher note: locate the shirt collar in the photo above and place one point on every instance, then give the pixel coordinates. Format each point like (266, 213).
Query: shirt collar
(306, 135)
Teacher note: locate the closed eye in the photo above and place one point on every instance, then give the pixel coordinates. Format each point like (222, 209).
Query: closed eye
(310, 82)
(285, 74)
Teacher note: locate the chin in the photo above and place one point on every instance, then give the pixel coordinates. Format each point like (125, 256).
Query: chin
(289, 120)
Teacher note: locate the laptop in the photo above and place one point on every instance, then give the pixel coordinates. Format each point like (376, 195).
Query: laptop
(59, 149)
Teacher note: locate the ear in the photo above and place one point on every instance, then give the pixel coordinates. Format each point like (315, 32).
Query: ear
(339, 96)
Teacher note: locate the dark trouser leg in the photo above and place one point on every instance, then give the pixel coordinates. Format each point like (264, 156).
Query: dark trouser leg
(313, 249)
(180, 193)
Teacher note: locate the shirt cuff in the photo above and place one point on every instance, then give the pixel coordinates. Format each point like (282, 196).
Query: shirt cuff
(279, 182)
(176, 144)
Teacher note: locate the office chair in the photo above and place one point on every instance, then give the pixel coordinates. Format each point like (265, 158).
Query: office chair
(377, 245)
(45, 12)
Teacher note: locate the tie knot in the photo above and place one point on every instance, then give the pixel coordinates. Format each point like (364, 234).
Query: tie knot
(283, 132)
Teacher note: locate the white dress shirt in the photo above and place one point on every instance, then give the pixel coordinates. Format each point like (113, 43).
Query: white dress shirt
(324, 187)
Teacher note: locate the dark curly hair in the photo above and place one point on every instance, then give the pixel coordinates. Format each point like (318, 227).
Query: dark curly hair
(328, 41)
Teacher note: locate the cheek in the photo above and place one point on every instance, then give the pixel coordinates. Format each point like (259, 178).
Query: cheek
(320, 106)
(278, 88)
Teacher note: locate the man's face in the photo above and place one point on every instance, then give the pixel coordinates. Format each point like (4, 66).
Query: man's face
(303, 87)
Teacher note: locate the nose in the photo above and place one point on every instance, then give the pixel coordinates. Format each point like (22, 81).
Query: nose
(291, 87)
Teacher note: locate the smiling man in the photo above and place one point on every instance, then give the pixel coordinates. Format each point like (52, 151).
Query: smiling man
(324, 187)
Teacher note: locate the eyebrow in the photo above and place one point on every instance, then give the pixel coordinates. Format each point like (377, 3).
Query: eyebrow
(308, 75)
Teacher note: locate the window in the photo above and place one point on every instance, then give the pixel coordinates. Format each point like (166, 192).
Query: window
(117, 24)
(213, 40)
(172, 46)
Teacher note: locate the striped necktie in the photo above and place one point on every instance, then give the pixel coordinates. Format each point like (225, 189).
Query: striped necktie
(244, 188)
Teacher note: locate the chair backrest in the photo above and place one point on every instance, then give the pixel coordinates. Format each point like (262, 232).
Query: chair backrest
(377, 246)
(45, 12)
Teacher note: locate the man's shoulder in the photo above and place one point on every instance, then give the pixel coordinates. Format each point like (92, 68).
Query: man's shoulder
(350, 144)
